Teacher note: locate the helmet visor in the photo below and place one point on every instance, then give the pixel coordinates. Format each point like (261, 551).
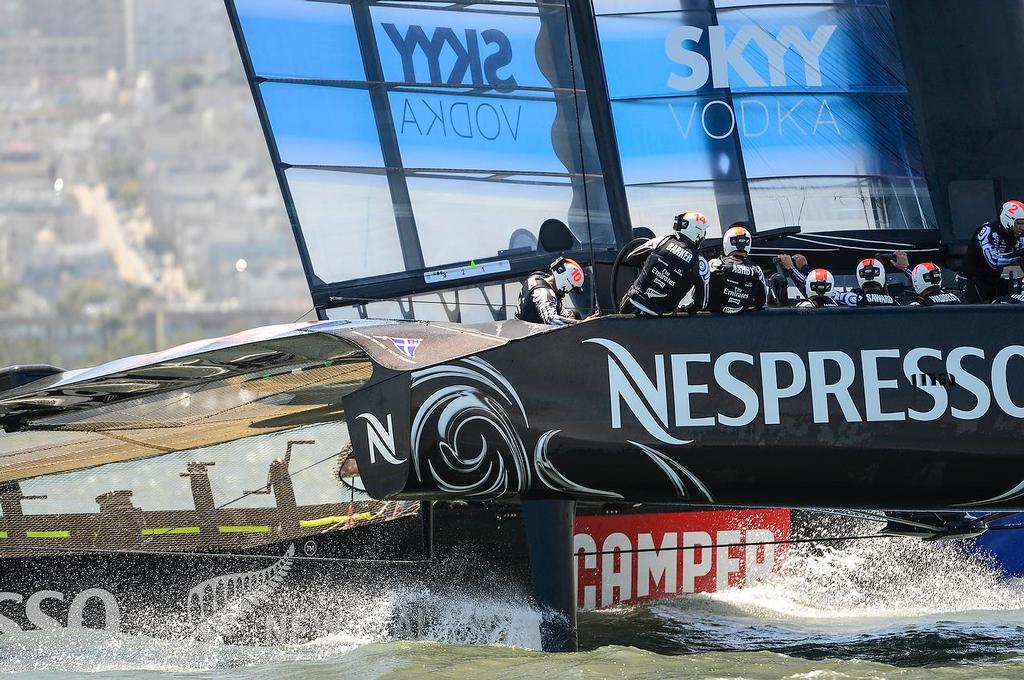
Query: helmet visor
(821, 287)
(870, 273)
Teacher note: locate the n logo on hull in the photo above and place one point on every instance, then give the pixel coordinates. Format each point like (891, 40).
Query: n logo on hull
(380, 439)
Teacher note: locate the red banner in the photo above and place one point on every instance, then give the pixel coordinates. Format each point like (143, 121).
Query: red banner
(632, 558)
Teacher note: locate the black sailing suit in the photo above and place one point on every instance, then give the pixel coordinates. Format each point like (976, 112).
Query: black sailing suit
(939, 297)
(735, 284)
(816, 301)
(540, 302)
(990, 249)
(670, 269)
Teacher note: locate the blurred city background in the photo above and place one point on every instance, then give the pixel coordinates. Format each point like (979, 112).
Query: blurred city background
(138, 204)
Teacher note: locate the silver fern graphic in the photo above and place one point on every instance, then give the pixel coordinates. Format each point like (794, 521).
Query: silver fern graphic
(216, 604)
(474, 400)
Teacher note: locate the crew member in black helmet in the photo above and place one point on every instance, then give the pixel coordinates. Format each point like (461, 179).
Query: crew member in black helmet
(735, 283)
(670, 267)
(870, 280)
(541, 298)
(994, 246)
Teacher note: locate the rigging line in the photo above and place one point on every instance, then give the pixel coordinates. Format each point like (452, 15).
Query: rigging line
(838, 246)
(356, 560)
(583, 163)
(311, 309)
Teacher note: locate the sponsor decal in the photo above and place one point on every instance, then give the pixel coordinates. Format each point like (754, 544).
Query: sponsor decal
(223, 600)
(473, 57)
(731, 64)
(41, 616)
(479, 54)
(406, 346)
(675, 553)
(662, 400)
(381, 439)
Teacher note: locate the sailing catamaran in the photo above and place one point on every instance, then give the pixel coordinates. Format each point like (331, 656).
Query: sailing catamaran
(429, 157)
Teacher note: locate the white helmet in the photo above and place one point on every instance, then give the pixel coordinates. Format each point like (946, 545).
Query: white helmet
(568, 274)
(926, 275)
(1012, 212)
(691, 225)
(735, 238)
(870, 271)
(819, 283)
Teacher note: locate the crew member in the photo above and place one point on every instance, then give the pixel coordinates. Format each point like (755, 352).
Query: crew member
(926, 279)
(735, 282)
(870, 291)
(670, 268)
(819, 286)
(994, 246)
(1014, 299)
(541, 298)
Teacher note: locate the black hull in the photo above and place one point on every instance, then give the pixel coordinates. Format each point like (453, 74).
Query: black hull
(285, 592)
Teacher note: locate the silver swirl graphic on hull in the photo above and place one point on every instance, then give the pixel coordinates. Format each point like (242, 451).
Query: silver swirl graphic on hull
(673, 470)
(463, 435)
(552, 478)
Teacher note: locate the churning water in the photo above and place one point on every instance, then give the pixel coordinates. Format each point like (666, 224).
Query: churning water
(890, 608)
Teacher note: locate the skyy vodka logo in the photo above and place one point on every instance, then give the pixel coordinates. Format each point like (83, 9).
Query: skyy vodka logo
(728, 65)
(473, 57)
(664, 394)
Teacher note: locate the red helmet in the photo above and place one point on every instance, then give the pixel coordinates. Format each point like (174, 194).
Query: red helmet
(926, 275)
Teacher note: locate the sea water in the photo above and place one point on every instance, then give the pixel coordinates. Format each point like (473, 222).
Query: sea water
(890, 608)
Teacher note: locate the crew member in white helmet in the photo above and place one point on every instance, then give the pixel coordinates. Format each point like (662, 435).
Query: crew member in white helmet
(870, 291)
(670, 268)
(543, 293)
(995, 245)
(735, 283)
(926, 278)
(818, 286)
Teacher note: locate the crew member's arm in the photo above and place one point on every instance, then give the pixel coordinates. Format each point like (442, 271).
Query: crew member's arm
(846, 299)
(902, 262)
(638, 255)
(990, 250)
(701, 287)
(761, 296)
(546, 302)
(793, 266)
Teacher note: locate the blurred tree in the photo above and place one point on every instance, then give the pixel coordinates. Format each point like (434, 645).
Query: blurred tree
(189, 80)
(25, 351)
(8, 293)
(76, 295)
